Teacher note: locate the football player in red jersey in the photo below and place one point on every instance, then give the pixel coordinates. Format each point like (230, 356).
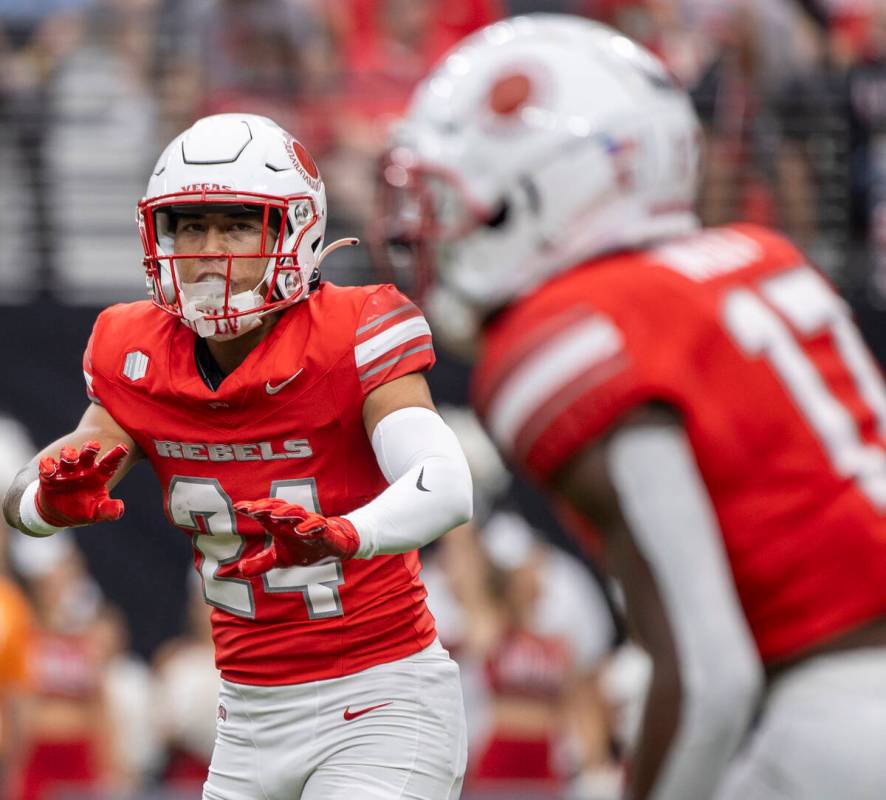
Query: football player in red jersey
(702, 397)
(297, 444)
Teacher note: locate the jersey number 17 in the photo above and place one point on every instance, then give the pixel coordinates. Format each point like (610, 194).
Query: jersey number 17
(756, 319)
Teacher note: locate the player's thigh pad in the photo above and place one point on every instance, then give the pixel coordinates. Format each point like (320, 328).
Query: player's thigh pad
(822, 734)
(414, 748)
(296, 743)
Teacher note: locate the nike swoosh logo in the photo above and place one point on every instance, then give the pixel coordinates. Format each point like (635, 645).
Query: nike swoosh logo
(349, 715)
(418, 484)
(274, 389)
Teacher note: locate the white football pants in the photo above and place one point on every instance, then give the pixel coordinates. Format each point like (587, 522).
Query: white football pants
(396, 730)
(822, 735)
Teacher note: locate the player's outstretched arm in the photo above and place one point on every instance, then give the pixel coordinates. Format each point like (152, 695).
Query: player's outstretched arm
(67, 483)
(430, 489)
(641, 487)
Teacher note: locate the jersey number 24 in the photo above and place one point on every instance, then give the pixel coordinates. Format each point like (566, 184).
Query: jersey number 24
(201, 505)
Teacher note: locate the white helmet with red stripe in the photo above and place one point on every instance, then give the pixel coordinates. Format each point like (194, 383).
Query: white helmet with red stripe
(538, 142)
(235, 161)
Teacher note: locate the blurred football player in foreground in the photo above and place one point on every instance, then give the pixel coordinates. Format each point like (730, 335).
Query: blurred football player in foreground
(260, 396)
(702, 397)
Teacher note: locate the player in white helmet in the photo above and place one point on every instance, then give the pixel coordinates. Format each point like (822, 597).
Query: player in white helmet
(514, 158)
(259, 170)
(701, 397)
(296, 442)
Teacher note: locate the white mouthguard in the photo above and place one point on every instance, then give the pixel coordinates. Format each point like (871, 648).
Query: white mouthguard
(208, 298)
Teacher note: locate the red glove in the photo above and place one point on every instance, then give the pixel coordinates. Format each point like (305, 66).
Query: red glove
(73, 491)
(300, 537)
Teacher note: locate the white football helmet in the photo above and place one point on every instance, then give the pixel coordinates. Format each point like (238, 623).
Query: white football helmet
(240, 161)
(538, 142)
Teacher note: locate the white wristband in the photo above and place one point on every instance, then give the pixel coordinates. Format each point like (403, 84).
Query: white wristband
(30, 516)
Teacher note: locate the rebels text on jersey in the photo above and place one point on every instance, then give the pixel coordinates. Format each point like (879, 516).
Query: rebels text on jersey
(782, 403)
(286, 423)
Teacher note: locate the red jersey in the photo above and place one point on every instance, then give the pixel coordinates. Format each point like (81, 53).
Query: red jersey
(782, 403)
(286, 423)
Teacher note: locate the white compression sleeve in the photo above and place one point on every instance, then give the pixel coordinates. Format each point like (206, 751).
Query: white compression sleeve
(430, 491)
(667, 507)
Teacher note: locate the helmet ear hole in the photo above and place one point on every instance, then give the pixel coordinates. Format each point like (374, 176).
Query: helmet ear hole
(500, 216)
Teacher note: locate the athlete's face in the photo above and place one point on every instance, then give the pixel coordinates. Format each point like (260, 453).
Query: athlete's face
(220, 234)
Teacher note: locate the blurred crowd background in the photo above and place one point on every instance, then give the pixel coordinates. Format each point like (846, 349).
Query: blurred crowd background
(107, 686)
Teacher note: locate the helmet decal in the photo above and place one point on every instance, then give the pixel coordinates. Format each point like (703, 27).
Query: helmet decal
(303, 162)
(510, 93)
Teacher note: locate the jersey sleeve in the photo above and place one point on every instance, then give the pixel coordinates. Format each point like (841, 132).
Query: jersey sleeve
(101, 351)
(548, 387)
(392, 339)
(94, 356)
(89, 368)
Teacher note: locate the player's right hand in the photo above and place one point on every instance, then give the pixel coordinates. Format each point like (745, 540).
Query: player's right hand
(74, 489)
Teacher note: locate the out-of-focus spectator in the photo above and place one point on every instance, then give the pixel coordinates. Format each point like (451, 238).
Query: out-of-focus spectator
(454, 573)
(548, 718)
(386, 47)
(186, 685)
(849, 26)
(506, 610)
(678, 31)
(68, 726)
(98, 144)
(15, 643)
(34, 38)
(126, 686)
(269, 57)
(734, 97)
(16, 621)
(833, 121)
(865, 100)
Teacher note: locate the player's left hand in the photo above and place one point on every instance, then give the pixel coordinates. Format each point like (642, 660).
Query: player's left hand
(300, 537)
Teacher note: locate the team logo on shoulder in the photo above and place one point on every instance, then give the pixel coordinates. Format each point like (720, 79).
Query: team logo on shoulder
(136, 365)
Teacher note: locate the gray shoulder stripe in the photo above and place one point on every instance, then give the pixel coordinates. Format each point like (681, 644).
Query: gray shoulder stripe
(385, 317)
(391, 361)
